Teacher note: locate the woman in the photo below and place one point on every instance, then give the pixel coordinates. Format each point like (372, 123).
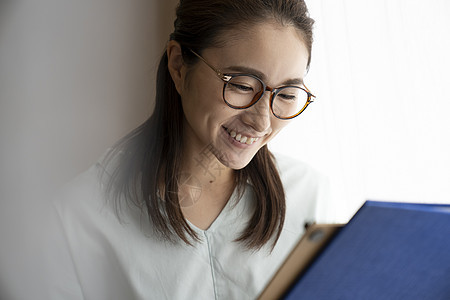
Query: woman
(192, 205)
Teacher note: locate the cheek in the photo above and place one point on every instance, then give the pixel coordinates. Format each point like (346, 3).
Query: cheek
(278, 125)
(192, 101)
(204, 109)
(202, 94)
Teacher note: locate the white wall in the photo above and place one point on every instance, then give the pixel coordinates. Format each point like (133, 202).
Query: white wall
(75, 76)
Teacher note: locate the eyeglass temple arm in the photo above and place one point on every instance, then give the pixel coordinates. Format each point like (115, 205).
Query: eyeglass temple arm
(311, 98)
(227, 78)
(222, 76)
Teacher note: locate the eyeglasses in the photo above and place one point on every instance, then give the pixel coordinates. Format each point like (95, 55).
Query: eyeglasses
(241, 91)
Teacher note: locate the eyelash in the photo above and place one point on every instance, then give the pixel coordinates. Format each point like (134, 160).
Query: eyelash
(287, 97)
(241, 87)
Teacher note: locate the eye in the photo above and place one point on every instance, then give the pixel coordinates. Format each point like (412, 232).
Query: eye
(238, 87)
(287, 97)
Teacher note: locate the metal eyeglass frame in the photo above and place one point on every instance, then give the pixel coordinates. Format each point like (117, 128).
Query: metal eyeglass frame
(274, 91)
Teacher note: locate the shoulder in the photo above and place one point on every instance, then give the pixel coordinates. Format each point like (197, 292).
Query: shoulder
(88, 187)
(305, 189)
(294, 172)
(81, 196)
(85, 207)
(83, 199)
(98, 241)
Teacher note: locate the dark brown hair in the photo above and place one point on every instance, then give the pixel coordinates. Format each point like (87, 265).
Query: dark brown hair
(149, 158)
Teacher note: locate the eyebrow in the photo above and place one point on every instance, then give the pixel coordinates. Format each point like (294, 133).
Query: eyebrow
(260, 75)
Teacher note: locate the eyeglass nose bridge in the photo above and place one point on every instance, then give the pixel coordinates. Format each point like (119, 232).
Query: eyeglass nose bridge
(261, 93)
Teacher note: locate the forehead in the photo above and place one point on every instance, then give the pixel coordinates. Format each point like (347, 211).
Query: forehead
(276, 52)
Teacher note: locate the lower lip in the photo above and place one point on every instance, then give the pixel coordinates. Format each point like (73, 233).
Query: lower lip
(236, 143)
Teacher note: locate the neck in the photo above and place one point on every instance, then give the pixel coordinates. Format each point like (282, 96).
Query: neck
(206, 168)
(205, 187)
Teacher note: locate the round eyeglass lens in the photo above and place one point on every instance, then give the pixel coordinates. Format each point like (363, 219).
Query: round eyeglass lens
(289, 102)
(242, 91)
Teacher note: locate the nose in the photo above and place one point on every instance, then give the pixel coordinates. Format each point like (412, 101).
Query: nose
(259, 115)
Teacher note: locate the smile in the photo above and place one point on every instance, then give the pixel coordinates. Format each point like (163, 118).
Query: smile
(242, 138)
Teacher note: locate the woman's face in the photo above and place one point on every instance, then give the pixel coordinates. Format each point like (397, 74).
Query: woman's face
(274, 53)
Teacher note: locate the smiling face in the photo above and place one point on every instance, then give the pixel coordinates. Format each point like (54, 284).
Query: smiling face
(274, 53)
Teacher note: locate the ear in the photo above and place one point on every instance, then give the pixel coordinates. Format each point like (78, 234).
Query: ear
(176, 64)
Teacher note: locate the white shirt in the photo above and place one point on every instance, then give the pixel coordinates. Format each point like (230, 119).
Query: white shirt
(104, 258)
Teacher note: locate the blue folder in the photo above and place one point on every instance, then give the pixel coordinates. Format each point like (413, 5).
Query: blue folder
(387, 251)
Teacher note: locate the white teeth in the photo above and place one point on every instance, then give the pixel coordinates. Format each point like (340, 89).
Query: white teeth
(241, 138)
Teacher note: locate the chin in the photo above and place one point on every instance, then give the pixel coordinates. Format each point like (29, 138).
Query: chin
(235, 164)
